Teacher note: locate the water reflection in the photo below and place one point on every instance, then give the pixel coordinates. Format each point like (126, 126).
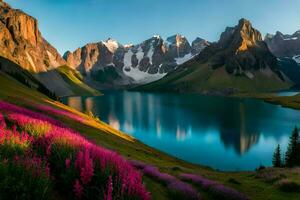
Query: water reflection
(197, 128)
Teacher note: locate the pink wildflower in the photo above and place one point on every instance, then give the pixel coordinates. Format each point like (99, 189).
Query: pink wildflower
(85, 164)
(108, 195)
(78, 189)
(68, 163)
(47, 170)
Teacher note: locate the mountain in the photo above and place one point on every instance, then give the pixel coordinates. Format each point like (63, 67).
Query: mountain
(287, 49)
(111, 64)
(22, 43)
(239, 62)
(283, 46)
(14, 71)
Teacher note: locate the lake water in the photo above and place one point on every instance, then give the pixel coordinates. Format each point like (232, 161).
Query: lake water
(223, 133)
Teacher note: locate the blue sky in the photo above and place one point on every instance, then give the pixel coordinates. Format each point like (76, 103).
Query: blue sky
(69, 24)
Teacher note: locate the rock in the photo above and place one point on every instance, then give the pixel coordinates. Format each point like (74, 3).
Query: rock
(241, 50)
(283, 46)
(22, 42)
(198, 45)
(136, 64)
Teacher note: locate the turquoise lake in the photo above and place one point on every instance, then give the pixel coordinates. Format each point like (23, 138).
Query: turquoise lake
(224, 133)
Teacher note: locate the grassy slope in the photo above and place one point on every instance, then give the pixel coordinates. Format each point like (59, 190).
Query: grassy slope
(202, 78)
(75, 82)
(285, 101)
(291, 102)
(104, 135)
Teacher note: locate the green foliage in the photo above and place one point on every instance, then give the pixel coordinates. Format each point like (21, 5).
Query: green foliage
(38, 86)
(277, 157)
(17, 182)
(292, 156)
(288, 186)
(75, 81)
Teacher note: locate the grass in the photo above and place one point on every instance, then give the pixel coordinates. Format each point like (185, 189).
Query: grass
(102, 134)
(285, 101)
(75, 81)
(201, 78)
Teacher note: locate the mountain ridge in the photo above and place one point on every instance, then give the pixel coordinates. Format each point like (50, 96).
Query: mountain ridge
(142, 63)
(22, 43)
(239, 62)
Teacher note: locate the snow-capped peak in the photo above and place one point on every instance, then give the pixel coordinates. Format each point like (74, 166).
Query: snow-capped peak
(128, 45)
(111, 44)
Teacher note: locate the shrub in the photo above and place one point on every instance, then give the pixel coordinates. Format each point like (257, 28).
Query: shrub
(24, 178)
(270, 175)
(79, 168)
(216, 189)
(288, 186)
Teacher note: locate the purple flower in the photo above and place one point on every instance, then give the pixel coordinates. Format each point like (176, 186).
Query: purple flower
(155, 173)
(184, 190)
(199, 180)
(215, 188)
(226, 192)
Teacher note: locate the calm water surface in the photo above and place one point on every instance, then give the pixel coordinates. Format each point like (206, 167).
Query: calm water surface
(223, 133)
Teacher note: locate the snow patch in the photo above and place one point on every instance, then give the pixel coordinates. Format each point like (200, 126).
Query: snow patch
(128, 45)
(184, 59)
(110, 64)
(112, 45)
(138, 76)
(150, 54)
(297, 59)
(127, 59)
(249, 75)
(139, 54)
(292, 38)
(141, 77)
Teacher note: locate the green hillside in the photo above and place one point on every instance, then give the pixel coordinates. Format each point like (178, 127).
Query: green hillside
(202, 78)
(62, 81)
(75, 82)
(254, 185)
(239, 62)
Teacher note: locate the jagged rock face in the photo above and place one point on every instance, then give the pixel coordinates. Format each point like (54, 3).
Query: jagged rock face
(21, 41)
(241, 50)
(284, 45)
(239, 62)
(132, 64)
(178, 46)
(198, 45)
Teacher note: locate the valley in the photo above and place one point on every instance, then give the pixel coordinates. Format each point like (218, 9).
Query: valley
(168, 117)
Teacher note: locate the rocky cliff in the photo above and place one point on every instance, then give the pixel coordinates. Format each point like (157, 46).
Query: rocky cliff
(110, 62)
(285, 46)
(241, 51)
(239, 62)
(22, 42)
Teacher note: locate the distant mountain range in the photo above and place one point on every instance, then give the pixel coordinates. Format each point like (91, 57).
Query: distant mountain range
(113, 64)
(287, 49)
(241, 61)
